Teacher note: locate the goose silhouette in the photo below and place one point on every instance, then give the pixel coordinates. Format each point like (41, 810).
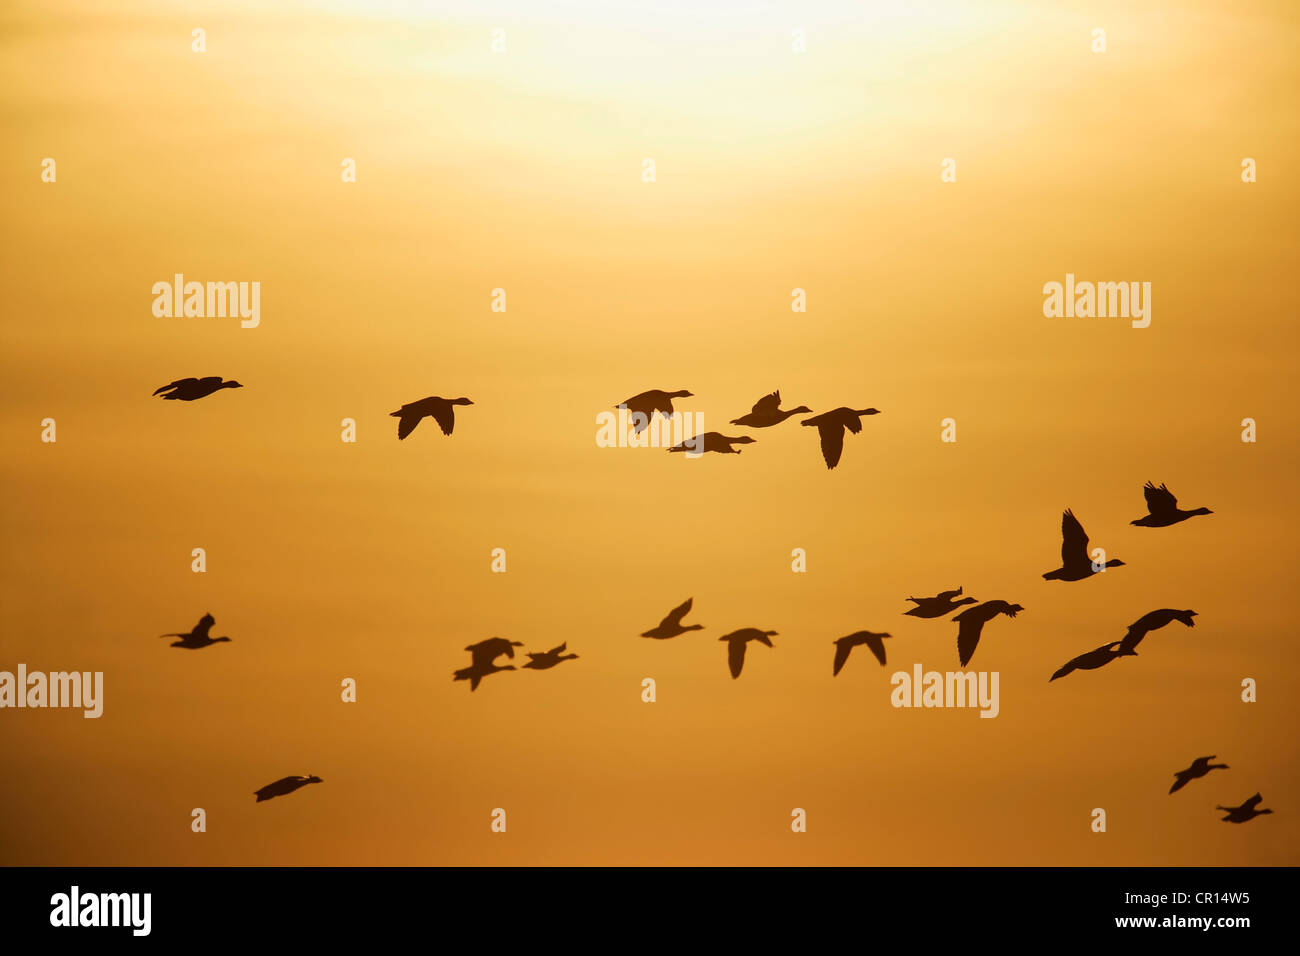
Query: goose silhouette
(830, 428)
(1151, 621)
(439, 409)
(939, 605)
(198, 637)
(844, 647)
(767, 412)
(1163, 508)
(483, 657)
(1199, 768)
(284, 786)
(642, 407)
(671, 626)
(736, 642)
(1091, 660)
(190, 389)
(1244, 812)
(712, 441)
(548, 659)
(1075, 563)
(970, 624)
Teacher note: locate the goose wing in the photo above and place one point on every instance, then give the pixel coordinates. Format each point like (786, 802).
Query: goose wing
(735, 656)
(832, 438)
(444, 415)
(969, 627)
(1074, 541)
(842, 651)
(877, 645)
(1159, 500)
(948, 595)
(407, 422)
(767, 404)
(178, 384)
(205, 624)
(1252, 803)
(674, 618)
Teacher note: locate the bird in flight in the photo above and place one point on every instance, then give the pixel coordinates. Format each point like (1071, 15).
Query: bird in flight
(283, 786)
(830, 428)
(642, 407)
(1091, 660)
(1244, 812)
(1151, 621)
(439, 409)
(1075, 563)
(736, 642)
(939, 605)
(970, 624)
(767, 412)
(671, 625)
(1199, 768)
(198, 637)
(712, 441)
(189, 389)
(1163, 508)
(548, 659)
(844, 646)
(483, 657)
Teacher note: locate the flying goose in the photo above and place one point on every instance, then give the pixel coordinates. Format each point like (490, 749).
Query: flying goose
(439, 409)
(642, 407)
(1163, 508)
(1199, 768)
(1244, 812)
(844, 646)
(830, 427)
(671, 625)
(970, 623)
(1075, 563)
(767, 412)
(198, 637)
(548, 659)
(736, 642)
(1151, 621)
(189, 389)
(939, 605)
(712, 441)
(1091, 660)
(283, 786)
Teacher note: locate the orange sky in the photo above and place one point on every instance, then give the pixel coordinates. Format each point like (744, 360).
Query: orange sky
(522, 171)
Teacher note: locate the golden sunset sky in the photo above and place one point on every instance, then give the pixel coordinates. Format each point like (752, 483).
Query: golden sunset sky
(522, 170)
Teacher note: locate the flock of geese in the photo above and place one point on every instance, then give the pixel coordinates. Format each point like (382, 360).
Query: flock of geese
(1077, 564)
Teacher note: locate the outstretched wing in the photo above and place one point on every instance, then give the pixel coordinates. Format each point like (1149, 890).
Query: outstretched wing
(842, 651)
(767, 404)
(832, 436)
(406, 423)
(177, 384)
(1180, 782)
(968, 637)
(1159, 500)
(735, 656)
(947, 595)
(557, 650)
(1074, 541)
(1065, 668)
(674, 618)
(877, 645)
(1252, 803)
(445, 416)
(205, 624)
